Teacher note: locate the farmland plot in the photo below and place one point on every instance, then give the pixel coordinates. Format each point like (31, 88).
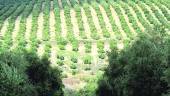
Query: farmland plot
(77, 34)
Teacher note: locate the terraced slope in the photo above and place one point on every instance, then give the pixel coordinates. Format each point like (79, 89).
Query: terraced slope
(74, 34)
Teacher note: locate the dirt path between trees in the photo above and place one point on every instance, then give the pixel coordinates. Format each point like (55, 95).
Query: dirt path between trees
(107, 46)
(117, 21)
(137, 20)
(40, 26)
(4, 28)
(82, 52)
(68, 2)
(107, 21)
(52, 25)
(68, 47)
(40, 50)
(107, 49)
(166, 9)
(127, 21)
(52, 37)
(74, 23)
(96, 21)
(63, 24)
(60, 4)
(160, 11)
(153, 15)
(85, 23)
(143, 14)
(15, 32)
(95, 57)
(28, 30)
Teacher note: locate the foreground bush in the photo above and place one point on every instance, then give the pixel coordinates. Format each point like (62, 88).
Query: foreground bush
(24, 74)
(138, 70)
(13, 79)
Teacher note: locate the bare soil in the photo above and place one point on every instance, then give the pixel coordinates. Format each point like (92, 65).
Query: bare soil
(96, 21)
(74, 23)
(127, 21)
(85, 23)
(117, 21)
(63, 24)
(107, 21)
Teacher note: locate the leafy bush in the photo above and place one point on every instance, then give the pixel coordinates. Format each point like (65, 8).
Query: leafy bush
(75, 45)
(60, 57)
(46, 79)
(62, 47)
(139, 69)
(101, 56)
(73, 66)
(87, 68)
(87, 59)
(88, 46)
(13, 80)
(24, 74)
(74, 60)
(74, 72)
(62, 41)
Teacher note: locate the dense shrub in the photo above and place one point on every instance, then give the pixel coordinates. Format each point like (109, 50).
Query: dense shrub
(13, 80)
(46, 79)
(24, 74)
(74, 60)
(87, 59)
(139, 69)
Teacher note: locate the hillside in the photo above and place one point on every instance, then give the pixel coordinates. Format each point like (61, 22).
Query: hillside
(76, 34)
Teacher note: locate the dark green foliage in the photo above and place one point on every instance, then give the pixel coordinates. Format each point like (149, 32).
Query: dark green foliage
(60, 57)
(74, 72)
(46, 79)
(73, 66)
(101, 56)
(10, 2)
(139, 69)
(87, 68)
(24, 74)
(167, 71)
(13, 81)
(74, 60)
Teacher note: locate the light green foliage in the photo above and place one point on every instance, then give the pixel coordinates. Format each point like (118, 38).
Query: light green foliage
(80, 50)
(87, 59)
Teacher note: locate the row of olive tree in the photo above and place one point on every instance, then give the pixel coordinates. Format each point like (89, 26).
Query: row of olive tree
(8, 2)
